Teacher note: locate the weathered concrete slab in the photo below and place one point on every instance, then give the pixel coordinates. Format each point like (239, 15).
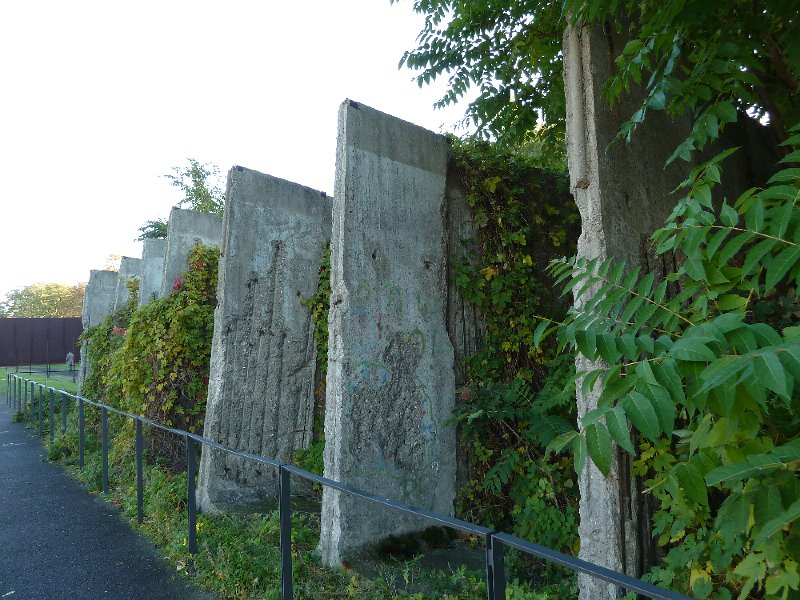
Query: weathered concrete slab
(623, 192)
(263, 356)
(98, 300)
(98, 303)
(153, 254)
(129, 268)
(187, 228)
(390, 384)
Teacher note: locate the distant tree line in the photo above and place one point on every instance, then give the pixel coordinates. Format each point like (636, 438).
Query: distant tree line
(44, 300)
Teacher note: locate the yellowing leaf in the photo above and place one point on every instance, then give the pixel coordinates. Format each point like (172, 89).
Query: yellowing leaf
(489, 272)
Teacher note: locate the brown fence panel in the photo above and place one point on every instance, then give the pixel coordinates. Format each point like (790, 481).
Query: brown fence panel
(38, 341)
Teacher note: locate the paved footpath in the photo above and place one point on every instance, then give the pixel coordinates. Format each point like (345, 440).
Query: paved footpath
(58, 542)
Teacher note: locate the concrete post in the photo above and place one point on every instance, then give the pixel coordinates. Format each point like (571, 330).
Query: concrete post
(153, 255)
(98, 303)
(390, 384)
(129, 268)
(263, 355)
(623, 192)
(186, 228)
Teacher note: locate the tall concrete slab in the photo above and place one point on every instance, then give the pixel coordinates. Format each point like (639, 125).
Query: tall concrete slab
(390, 384)
(153, 254)
(129, 268)
(99, 297)
(186, 229)
(623, 193)
(263, 355)
(98, 303)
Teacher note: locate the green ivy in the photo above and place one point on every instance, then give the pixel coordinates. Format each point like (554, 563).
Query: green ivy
(524, 217)
(518, 396)
(163, 366)
(103, 342)
(154, 360)
(311, 458)
(318, 304)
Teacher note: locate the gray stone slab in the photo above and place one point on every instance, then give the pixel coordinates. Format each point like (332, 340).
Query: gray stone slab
(390, 385)
(153, 254)
(186, 229)
(98, 303)
(624, 193)
(98, 299)
(263, 355)
(129, 268)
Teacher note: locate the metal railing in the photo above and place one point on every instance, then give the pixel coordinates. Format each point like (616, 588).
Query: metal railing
(495, 542)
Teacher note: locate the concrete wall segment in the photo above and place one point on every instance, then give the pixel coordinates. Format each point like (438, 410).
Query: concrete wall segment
(263, 357)
(390, 378)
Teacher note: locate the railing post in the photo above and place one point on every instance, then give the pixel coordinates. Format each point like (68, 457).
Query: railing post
(25, 401)
(139, 477)
(80, 432)
(52, 418)
(104, 435)
(285, 511)
(33, 396)
(41, 419)
(495, 569)
(63, 412)
(191, 507)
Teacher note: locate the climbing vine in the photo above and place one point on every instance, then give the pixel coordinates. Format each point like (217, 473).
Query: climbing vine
(103, 342)
(154, 360)
(518, 396)
(311, 457)
(163, 366)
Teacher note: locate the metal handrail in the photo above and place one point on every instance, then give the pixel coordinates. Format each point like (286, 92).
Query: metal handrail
(495, 542)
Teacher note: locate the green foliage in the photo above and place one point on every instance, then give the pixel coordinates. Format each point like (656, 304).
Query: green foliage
(44, 300)
(162, 369)
(153, 230)
(706, 57)
(319, 304)
(524, 217)
(509, 52)
(710, 59)
(103, 342)
(706, 379)
(515, 485)
(153, 360)
(311, 458)
(198, 182)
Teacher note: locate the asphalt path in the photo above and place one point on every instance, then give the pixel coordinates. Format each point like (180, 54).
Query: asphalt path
(58, 542)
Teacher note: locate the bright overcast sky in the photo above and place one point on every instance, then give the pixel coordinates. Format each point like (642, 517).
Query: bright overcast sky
(99, 98)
